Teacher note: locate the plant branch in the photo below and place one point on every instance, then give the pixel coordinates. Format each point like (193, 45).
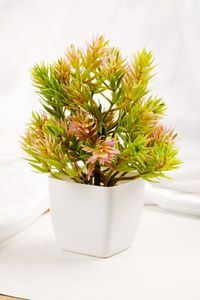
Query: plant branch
(124, 178)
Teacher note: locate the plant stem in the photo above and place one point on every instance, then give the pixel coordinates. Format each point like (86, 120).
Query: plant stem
(115, 180)
(108, 177)
(97, 176)
(112, 178)
(127, 178)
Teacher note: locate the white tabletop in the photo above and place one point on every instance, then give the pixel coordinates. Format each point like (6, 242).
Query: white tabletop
(164, 263)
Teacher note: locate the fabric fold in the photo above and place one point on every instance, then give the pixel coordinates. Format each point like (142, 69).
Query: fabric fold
(23, 195)
(173, 200)
(181, 194)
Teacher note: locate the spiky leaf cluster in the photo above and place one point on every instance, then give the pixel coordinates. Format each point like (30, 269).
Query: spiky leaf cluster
(99, 124)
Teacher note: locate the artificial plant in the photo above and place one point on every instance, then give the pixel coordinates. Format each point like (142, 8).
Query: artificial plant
(99, 124)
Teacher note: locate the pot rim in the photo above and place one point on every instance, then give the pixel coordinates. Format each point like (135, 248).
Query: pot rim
(139, 179)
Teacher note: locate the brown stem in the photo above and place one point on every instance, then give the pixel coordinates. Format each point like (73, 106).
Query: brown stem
(127, 178)
(112, 178)
(124, 178)
(108, 177)
(97, 176)
(102, 176)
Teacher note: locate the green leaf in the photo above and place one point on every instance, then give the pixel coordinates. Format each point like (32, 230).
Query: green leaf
(40, 169)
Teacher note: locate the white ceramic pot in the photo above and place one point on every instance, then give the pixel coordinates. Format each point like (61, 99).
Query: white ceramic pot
(93, 220)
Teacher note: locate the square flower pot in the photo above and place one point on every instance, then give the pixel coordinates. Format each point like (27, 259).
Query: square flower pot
(94, 220)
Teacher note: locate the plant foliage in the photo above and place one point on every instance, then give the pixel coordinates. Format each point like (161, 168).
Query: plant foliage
(99, 124)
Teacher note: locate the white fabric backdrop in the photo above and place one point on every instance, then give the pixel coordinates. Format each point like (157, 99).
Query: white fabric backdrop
(33, 30)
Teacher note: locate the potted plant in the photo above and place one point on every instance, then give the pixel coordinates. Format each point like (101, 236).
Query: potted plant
(99, 137)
